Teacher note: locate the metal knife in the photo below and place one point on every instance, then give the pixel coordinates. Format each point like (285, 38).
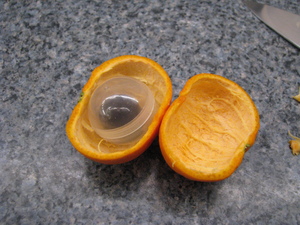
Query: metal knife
(285, 23)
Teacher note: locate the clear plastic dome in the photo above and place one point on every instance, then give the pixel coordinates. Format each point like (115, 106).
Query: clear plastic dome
(121, 109)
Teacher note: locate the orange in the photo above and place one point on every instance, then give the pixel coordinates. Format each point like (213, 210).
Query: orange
(208, 128)
(79, 129)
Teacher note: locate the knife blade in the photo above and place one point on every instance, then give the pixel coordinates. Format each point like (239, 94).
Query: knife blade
(285, 23)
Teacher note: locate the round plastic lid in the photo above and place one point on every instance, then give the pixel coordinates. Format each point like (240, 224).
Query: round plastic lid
(121, 109)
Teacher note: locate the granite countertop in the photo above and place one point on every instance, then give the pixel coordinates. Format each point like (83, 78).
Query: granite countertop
(48, 50)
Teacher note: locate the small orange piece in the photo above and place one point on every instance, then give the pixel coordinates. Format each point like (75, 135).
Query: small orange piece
(208, 128)
(79, 130)
(297, 97)
(294, 144)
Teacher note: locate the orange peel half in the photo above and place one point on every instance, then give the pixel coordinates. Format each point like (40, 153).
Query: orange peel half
(208, 128)
(79, 130)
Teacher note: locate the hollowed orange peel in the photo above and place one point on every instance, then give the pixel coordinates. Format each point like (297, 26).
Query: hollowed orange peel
(208, 128)
(78, 127)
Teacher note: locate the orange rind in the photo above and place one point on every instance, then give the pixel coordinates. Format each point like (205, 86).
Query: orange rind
(208, 128)
(294, 144)
(297, 97)
(79, 130)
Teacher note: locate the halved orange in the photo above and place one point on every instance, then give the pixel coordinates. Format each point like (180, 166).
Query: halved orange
(79, 129)
(208, 128)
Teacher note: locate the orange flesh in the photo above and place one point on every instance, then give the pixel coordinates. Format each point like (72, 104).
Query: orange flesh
(206, 130)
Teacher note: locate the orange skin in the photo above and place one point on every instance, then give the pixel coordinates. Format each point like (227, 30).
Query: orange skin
(208, 128)
(78, 129)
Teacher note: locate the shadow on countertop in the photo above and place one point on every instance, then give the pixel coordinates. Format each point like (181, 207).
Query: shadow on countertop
(149, 180)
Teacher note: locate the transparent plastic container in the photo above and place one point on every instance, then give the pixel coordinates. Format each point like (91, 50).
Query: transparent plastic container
(121, 109)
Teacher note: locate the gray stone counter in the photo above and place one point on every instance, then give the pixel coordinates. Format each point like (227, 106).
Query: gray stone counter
(47, 52)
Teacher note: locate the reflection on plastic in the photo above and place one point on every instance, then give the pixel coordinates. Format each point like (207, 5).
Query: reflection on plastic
(118, 110)
(121, 109)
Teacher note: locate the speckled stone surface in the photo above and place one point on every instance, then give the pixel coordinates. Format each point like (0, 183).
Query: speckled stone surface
(47, 52)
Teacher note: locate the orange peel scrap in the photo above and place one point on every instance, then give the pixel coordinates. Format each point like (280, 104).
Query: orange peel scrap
(294, 144)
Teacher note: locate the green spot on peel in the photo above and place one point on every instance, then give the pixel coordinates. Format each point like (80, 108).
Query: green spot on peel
(81, 96)
(247, 146)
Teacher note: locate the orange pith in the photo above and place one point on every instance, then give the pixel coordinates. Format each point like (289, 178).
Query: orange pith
(78, 128)
(207, 129)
